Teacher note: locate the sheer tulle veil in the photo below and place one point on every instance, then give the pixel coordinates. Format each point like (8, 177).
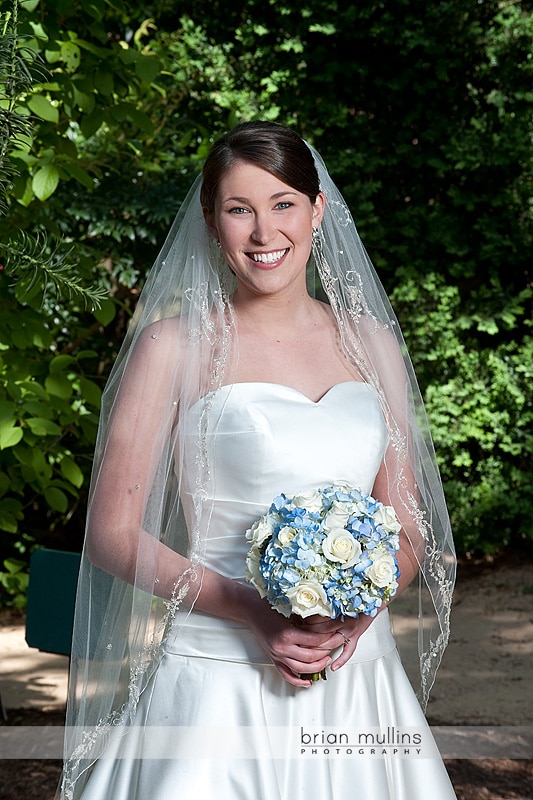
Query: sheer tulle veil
(149, 508)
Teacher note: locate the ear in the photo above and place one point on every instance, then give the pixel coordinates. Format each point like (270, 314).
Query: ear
(209, 217)
(319, 207)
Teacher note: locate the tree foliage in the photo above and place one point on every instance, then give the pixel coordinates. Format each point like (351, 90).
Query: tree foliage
(423, 114)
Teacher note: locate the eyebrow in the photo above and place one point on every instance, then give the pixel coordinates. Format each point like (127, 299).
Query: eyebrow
(275, 196)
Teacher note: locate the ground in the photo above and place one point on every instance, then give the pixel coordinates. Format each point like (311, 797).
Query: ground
(484, 680)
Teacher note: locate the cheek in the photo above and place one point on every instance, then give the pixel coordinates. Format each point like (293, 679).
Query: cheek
(231, 232)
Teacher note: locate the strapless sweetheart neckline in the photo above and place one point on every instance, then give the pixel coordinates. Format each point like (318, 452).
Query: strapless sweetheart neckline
(285, 386)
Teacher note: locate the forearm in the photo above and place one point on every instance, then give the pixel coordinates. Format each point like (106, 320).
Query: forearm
(138, 558)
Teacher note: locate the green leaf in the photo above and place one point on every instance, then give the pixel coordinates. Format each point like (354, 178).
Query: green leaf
(81, 175)
(45, 181)
(59, 363)
(7, 411)
(84, 100)
(43, 108)
(14, 565)
(106, 313)
(34, 388)
(10, 435)
(42, 339)
(71, 471)
(103, 82)
(10, 512)
(58, 385)
(91, 122)
(29, 5)
(43, 427)
(141, 119)
(56, 499)
(37, 409)
(71, 55)
(52, 56)
(147, 68)
(90, 392)
(96, 8)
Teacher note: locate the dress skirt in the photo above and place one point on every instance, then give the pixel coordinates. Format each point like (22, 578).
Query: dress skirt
(249, 735)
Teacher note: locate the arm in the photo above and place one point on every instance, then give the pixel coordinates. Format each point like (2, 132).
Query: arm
(386, 359)
(140, 426)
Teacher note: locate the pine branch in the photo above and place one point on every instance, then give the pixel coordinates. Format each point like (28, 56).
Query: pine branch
(30, 258)
(36, 269)
(15, 79)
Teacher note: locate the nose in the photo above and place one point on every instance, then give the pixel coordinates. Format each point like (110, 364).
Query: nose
(263, 229)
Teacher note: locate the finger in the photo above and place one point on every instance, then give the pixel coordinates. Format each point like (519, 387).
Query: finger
(291, 677)
(348, 649)
(310, 639)
(308, 666)
(294, 671)
(322, 626)
(307, 656)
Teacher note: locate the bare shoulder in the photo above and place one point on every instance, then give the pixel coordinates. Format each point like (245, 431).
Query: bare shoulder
(162, 339)
(369, 329)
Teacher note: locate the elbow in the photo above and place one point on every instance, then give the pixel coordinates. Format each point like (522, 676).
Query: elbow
(109, 554)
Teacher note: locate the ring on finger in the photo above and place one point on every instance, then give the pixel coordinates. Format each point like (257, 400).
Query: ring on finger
(347, 640)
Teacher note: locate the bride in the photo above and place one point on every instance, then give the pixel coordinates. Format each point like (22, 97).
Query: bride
(236, 383)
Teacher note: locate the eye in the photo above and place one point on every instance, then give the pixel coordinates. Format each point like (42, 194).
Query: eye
(283, 204)
(238, 210)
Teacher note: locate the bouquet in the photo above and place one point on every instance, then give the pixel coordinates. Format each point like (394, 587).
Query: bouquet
(330, 551)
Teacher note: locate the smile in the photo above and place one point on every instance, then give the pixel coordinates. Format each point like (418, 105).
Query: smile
(268, 258)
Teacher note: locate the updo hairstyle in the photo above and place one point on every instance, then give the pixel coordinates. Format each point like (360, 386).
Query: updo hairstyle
(271, 147)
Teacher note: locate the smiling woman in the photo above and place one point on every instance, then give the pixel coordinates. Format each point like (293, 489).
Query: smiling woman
(263, 224)
(236, 386)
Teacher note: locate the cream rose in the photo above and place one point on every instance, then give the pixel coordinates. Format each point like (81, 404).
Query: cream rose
(337, 517)
(340, 546)
(386, 516)
(381, 570)
(286, 535)
(310, 500)
(253, 572)
(260, 530)
(309, 598)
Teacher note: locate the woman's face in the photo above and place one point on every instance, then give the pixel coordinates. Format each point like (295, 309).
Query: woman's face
(265, 229)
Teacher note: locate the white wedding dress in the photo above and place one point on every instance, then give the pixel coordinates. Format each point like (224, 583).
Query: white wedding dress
(219, 721)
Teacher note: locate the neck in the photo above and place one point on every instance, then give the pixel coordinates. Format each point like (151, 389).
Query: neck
(274, 312)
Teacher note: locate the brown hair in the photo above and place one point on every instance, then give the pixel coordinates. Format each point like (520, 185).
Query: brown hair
(272, 147)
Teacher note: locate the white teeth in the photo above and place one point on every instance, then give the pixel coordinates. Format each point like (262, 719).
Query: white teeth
(268, 258)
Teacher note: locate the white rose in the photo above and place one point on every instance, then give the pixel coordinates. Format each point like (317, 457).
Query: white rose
(253, 573)
(260, 530)
(340, 546)
(311, 500)
(381, 570)
(309, 598)
(337, 517)
(386, 516)
(286, 535)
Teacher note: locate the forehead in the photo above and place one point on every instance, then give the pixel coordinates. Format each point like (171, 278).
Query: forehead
(244, 179)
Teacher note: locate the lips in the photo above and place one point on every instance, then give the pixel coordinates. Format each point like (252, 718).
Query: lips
(268, 258)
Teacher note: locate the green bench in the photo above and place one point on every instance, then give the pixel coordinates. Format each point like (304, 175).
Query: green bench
(51, 599)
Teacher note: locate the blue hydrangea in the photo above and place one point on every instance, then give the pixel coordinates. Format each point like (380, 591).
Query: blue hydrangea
(356, 572)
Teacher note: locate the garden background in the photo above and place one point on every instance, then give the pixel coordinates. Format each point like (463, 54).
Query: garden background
(423, 113)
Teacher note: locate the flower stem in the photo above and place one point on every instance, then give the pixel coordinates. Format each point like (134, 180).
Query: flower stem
(314, 676)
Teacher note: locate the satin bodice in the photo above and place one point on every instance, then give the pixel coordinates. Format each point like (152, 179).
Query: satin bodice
(264, 439)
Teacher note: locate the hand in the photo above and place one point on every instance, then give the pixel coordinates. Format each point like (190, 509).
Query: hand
(346, 634)
(294, 649)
